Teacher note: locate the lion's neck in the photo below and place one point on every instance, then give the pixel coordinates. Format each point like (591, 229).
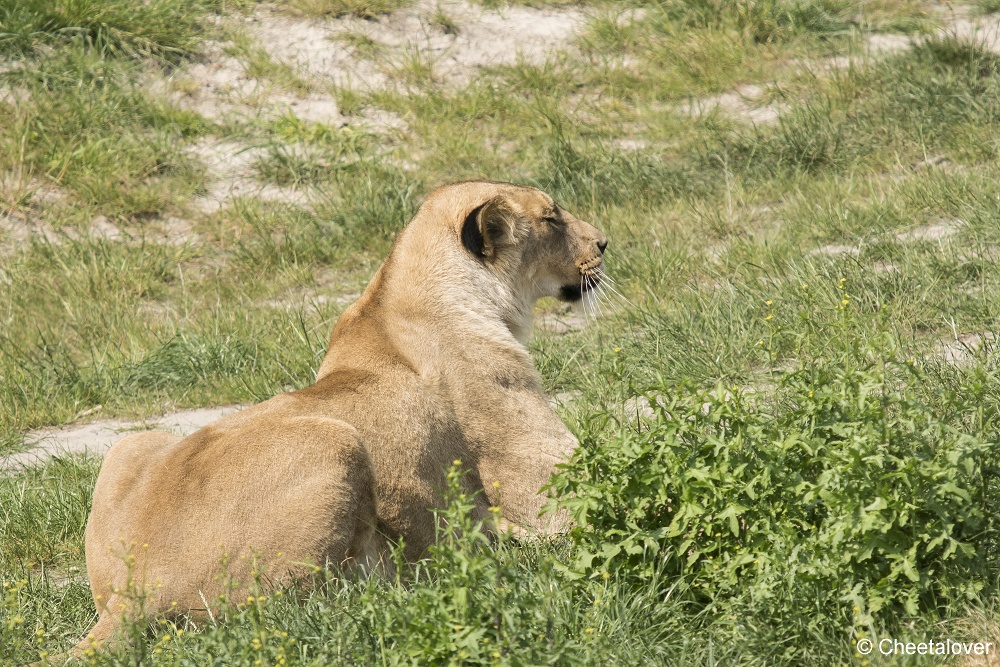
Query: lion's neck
(427, 313)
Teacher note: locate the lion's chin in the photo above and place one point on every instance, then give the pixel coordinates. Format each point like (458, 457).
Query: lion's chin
(574, 293)
(570, 293)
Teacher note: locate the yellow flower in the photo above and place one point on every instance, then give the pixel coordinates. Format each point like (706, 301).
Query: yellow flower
(768, 302)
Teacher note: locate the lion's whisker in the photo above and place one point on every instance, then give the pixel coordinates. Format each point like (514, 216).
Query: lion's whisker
(588, 307)
(608, 282)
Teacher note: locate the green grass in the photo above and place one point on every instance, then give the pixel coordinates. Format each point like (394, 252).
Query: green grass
(788, 264)
(132, 27)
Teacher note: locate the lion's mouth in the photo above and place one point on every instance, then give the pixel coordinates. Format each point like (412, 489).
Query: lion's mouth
(588, 283)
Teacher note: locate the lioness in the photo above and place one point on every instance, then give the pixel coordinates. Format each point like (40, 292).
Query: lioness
(428, 366)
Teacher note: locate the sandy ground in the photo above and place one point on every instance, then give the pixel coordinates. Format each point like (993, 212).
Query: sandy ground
(97, 437)
(448, 50)
(746, 102)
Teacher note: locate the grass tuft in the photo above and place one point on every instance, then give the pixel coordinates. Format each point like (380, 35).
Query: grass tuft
(166, 28)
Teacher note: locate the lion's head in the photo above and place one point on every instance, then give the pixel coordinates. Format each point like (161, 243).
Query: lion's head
(526, 239)
(495, 249)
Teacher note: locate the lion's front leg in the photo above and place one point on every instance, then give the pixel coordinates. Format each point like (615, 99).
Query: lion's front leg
(520, 463)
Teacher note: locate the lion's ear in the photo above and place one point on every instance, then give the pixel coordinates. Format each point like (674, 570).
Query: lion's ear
(488, 227)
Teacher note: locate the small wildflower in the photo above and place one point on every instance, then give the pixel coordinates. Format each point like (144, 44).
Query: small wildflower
(605, 575)
(769, 317)
(768, 303)
(457, 462)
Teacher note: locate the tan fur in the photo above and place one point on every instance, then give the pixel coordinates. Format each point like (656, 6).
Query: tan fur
(428, 366)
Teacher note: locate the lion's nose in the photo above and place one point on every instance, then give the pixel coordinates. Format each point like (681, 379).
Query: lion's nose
(602, 244)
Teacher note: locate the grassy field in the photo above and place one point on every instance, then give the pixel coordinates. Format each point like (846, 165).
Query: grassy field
(789, 408)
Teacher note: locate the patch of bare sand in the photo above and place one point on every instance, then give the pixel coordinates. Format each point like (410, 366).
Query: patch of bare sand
(231, 165)
(935, 231)
(301, 298)
(983, 30)
(480, 38)
(836, 250)
(746, 102)
(17, 228)
(562, 321)
(963, 348)
(564, 398)
(96, 438)
(218, 86)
